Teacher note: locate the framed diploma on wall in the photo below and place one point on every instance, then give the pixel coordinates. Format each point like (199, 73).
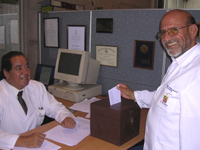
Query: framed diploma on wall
(107, 55)
(143, 54)
(51, 33)
(76, 36)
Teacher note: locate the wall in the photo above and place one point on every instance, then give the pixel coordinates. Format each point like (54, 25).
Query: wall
(129, 25)
(113, 4)
(8, 8)
(30, 31)
(48, 55)
(193, 4)
(181, 4)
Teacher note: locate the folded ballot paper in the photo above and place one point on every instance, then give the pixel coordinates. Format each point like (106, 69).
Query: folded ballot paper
(68, 136)
(114, 96)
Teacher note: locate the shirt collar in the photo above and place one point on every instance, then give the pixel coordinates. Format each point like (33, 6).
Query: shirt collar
(14, 90)
(184, 56)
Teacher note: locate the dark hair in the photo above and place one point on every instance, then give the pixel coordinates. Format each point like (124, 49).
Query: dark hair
(191, 20)
(5, 60)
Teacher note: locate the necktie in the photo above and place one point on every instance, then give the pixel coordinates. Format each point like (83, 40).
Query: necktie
(21, 101)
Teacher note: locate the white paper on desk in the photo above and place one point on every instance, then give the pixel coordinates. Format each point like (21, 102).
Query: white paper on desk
(70, 137)
(114, 96)
(84, 106)
(88, 115)
(45, 146)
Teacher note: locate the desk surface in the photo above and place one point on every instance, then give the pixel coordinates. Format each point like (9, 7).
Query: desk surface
(90, 142)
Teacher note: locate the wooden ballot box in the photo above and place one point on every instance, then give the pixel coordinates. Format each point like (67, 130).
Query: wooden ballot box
(116, 123)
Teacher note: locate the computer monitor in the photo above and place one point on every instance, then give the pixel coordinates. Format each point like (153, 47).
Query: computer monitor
(45, 74)
(76, 68)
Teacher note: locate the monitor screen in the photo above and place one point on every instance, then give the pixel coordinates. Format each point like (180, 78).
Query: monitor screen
(76, 67)
(71, 62)
(45, 74)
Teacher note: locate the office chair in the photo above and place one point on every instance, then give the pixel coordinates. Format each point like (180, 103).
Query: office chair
(1, 75)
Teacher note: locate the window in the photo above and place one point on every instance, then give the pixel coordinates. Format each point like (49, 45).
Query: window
(9, 26)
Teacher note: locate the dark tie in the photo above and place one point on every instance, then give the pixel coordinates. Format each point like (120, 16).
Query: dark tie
(21, 101)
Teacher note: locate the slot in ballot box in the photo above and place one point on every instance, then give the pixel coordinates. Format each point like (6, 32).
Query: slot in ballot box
(116, 123)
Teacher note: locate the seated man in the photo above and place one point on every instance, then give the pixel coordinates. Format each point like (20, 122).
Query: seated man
(19, 114)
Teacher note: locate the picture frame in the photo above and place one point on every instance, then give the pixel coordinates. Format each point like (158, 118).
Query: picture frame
(51, 32)
(45, 74)
(198, 33)
(76, 37)
(104, 25)
(144, 54)
(107, 55)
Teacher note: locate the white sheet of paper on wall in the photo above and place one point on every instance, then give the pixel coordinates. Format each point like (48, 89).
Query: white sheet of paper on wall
(14, 33)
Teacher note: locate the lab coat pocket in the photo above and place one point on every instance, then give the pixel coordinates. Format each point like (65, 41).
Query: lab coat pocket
(169, 101)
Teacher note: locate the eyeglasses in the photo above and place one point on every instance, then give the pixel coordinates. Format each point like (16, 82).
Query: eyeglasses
(171, 31)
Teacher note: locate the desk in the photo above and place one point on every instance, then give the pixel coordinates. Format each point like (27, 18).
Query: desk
(90, 142)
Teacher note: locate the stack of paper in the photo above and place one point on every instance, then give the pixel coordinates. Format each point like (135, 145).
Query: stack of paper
(84, 106)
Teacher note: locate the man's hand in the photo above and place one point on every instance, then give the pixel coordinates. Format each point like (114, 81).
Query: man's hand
(68, 122)
(126, 92)
(34, 140)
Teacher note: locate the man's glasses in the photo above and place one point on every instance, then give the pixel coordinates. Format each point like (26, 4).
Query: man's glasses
(171, 31)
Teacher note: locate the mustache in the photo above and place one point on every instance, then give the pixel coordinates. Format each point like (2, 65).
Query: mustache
(170, 41)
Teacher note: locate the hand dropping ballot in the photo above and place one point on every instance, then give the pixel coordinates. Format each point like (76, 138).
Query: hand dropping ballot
(114, 96)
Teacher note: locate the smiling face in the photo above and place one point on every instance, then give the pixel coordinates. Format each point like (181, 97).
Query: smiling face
(185, 39)
(19, 75)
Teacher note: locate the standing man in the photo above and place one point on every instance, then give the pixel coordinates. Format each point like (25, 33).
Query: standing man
(22, 112)
(173, 119)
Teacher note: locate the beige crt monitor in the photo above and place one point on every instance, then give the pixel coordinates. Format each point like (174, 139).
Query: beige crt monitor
(79, 74)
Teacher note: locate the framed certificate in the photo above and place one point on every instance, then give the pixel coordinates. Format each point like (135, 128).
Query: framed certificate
(143, 54)
(107, 55)
(51, 33)
(76, 37)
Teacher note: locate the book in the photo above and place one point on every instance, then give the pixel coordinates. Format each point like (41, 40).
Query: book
(54, 5)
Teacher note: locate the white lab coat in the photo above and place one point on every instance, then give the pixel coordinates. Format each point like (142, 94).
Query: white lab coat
(173, 121)
(13, 120)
